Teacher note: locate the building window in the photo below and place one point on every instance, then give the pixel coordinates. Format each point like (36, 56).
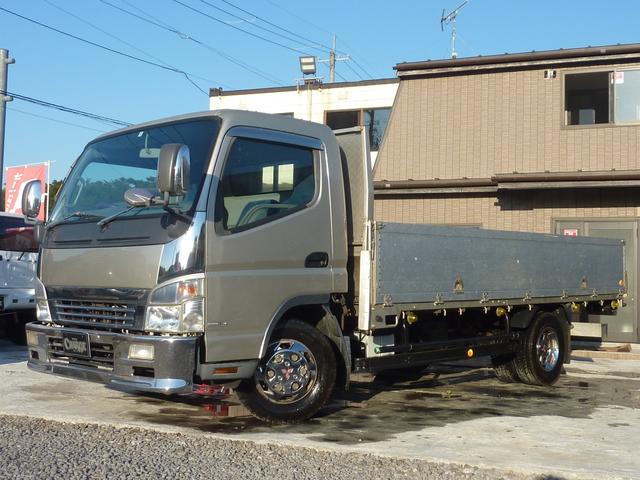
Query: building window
(375, 119)
(627, 96)
(345, 119)
(602, 97)
(263, 181)
(587, 98)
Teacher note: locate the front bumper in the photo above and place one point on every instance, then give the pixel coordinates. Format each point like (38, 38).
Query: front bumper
(18, 299)
(171, 371)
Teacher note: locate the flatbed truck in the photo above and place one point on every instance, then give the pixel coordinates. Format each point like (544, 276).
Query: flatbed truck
(241, 248)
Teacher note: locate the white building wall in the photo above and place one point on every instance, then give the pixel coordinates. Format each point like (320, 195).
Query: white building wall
(309, 104)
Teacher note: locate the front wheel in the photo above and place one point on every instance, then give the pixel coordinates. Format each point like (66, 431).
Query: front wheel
(540, 357)
(294, 379)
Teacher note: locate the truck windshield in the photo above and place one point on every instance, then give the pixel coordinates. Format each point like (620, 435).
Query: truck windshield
(109, 167)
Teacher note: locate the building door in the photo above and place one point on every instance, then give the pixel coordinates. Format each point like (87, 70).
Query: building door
(624, 326)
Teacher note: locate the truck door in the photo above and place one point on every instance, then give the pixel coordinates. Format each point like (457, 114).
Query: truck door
(269, 240)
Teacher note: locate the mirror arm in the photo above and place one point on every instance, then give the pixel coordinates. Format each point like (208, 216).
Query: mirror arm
(177, 213)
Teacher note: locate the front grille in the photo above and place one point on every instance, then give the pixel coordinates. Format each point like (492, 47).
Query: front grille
(90, 314)
(101, 354)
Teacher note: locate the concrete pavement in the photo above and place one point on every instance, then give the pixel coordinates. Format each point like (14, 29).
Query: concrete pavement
(585, 427)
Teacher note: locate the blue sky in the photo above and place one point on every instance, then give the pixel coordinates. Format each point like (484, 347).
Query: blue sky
(377, 33)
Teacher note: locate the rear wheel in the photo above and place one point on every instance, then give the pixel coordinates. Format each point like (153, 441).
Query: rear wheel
(540, 357)
(505, 369)
(294, 379)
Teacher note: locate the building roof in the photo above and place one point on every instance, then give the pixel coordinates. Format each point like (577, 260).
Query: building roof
(573, 56)
(219, 92)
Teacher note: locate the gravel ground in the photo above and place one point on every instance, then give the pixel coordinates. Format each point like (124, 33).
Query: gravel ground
(35, 448)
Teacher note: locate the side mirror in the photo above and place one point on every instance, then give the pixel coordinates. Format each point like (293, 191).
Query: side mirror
(32, 199)
(173, 169)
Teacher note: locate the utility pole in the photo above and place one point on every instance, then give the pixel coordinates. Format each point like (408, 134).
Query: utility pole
(333, 58)
(5, 61)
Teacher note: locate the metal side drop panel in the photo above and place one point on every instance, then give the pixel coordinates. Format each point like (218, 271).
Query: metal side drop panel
(452, 267)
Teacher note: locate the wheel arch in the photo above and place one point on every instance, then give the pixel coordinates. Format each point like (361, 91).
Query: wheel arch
(523, 318)
(314, 310)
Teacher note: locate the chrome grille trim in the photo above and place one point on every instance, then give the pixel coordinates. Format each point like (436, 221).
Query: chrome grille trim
(94, 314)
(101, 354)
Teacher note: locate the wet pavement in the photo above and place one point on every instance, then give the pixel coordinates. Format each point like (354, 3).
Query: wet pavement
(586, 425)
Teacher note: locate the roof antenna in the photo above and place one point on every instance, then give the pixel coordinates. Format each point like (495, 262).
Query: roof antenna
(450, 18)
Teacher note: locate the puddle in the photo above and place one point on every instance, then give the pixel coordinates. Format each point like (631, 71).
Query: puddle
(376, 411)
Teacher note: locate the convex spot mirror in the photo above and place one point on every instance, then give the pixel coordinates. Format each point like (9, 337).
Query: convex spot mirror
(138, 197)
(173, 169)
(32, 199)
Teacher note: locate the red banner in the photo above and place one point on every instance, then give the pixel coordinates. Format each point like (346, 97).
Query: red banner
(17, 178)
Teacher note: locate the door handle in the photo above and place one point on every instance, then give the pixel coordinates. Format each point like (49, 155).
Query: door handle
(316, 260)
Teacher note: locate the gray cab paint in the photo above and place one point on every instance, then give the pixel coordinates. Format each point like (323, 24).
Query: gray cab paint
(249, 274)
(105, 267)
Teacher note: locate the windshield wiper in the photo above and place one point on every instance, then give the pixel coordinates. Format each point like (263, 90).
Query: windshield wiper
(111, 218)
(107, 220)
(71, 215)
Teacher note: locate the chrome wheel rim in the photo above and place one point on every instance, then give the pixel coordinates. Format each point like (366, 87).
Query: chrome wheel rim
(548, 349)
(289, 372)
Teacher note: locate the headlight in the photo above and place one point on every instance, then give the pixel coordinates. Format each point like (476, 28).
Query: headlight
(176, 308)
(42, 306)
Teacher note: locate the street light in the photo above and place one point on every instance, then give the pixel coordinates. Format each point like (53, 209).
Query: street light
(308, 65)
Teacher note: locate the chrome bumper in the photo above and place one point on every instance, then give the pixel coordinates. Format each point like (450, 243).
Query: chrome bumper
(171, 371)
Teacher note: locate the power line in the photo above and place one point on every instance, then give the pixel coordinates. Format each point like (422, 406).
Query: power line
(289, 12)
(54, 119)
(164, 26)
(313, 45)
(300, 18)
(325, 47)
(103, 47)
(63, 108)
(353, 70)
(215, 19)
(361, 68)
(131, 45)
(341, 77)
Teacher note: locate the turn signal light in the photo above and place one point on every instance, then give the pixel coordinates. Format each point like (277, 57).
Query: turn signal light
(575, 307)
(615, 304)
(225, 370)
(470, 353)
(501, 311)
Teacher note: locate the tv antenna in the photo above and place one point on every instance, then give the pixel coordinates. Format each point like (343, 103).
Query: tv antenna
(450, 18)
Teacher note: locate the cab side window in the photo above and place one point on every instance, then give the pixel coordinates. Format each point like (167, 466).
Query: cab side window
(263, 181)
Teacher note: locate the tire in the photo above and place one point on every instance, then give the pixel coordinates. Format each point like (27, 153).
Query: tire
(294, 379)
(540, 357)
(504, 369)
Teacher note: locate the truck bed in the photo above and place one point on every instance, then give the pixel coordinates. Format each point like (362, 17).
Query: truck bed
(436, 267)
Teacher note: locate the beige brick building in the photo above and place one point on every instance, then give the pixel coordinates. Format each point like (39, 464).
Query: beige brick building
(543, 142)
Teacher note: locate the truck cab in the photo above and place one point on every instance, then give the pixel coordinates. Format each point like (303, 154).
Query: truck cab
(189, 285)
